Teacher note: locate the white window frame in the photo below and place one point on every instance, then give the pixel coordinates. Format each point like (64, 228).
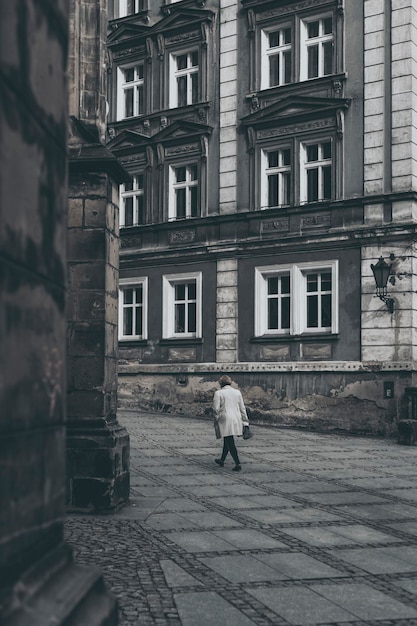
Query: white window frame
(281, 171)
(133, 283)
(135, 193)
(319, 41)
(267, 52)
(123, 86)
(168, 298)
(298, 303)
(175, 73)
(137, 8)
(321, 163)
(188, 184)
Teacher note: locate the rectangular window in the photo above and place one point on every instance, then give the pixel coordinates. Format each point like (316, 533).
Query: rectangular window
(184, 192)
(296, 299)
(276, 57)
(277, 178)
(316, 171)
(318, 41)
(132, 203)
(130, 7)
(182, 305)
(131, 94)
(133, 309)
(184, 87)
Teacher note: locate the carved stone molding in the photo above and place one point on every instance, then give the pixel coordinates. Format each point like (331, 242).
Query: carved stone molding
(193, 34)
(160, 41)
(337, 85)
(149, 49)
(295, 128)
(251, 23)
(134, 158)
(290, 8)
(131, 242)
(251, 140)
(315, 221)
(174, 150)
(137, 50)
(182, 236)
(161, 155)
(282, 225)
(204, 148)
(149, 158)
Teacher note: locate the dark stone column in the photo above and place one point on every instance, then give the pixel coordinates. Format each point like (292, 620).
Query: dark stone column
(38, 578)
(97, 446)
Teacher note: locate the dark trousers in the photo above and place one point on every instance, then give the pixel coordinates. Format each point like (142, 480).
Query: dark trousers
(229, 446)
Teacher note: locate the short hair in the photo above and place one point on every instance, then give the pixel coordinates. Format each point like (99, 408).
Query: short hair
(225, 380)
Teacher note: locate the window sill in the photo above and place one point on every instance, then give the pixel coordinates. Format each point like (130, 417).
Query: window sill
(125, 341)
(178, 341)
(307, 337)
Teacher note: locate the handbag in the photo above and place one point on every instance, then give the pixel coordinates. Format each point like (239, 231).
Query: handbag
(247, 433)
(217, 429)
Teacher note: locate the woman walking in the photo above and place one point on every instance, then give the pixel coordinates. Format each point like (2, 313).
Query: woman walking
(230, 413)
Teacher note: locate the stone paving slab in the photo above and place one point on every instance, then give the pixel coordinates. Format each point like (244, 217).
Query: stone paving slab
(317, 529)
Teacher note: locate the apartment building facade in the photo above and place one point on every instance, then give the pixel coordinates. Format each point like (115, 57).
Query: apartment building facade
(271, 146)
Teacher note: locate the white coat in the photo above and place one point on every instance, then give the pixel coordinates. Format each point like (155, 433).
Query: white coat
(230, 412)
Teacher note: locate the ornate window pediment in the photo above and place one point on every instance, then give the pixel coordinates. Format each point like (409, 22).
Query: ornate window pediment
(293, 109)
(182, 130)
(126, 32)
(128, 139)
(183, 19)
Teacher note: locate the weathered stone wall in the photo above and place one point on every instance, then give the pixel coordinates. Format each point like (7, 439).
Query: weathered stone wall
(33, 107)
(349, 402)
(36, 568)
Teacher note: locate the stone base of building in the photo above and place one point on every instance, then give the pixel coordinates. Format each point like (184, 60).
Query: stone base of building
(97, 465)
(57, 591)
(364, 401)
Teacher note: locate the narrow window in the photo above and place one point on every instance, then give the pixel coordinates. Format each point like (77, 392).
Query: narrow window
(186, 77)
(132, 310)
(132, 202)
(278, 175)
(131, 101)
(319, 300)
(318, 171)
(186, 192)
(278, 302)
(279, 55)
(182, 306)
(319, 47)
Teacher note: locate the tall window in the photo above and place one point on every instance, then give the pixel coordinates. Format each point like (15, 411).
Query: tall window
(319, 300)
(131, 96)
(277, 57)
(278, 303)
(317, 171)
(184, 192)
(296, 299)
(182, 305)
(317, 57)
(277, 177)
(184, 80)
(133, 310)
(132, 205)
(129, 7)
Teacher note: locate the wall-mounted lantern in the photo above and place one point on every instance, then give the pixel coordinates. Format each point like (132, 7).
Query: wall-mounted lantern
(382, 272)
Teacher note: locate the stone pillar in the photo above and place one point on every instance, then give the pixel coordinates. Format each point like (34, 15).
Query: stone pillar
(226, 311)
(228, 106)
(97, 446)
(38, 578)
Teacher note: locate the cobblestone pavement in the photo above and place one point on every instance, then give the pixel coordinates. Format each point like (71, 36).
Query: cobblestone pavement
(316, 529)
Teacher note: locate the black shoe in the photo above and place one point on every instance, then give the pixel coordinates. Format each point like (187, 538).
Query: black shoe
(237, 468)
(219, 462)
